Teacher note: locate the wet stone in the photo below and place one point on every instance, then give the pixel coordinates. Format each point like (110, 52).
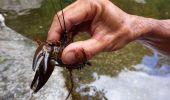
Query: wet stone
(16, 53)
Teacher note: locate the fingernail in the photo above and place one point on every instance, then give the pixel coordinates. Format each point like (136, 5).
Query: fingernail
(69, 58)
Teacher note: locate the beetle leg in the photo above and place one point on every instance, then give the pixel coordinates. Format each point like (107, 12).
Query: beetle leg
(38, 53)
(38, 41)
(55, 62)
(35, 80)
(41, 79)
(36, 59)
(46, 58)
(88, 63)
(38, 78)
(39, 63)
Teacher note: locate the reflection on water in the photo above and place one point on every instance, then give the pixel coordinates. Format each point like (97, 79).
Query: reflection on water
(151, 61)
(137, 82)
(153, 65)
(149, 82)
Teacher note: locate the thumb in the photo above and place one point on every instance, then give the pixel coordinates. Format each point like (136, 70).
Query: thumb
(76, 51)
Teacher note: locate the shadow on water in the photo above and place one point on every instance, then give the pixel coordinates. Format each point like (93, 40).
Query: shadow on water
(34, 23)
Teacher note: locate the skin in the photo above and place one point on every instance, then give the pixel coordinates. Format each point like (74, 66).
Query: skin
(110, 29)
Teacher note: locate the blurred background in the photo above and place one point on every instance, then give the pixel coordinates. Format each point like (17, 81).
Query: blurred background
(132, 73)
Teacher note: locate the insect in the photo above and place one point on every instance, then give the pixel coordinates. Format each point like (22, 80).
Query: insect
(48, 55)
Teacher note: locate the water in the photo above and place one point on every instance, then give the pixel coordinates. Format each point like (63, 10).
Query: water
(135, 63)
(148, 82)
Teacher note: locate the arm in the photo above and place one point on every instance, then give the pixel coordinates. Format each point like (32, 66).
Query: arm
(153, 33)
(110, 29)
(158, 37)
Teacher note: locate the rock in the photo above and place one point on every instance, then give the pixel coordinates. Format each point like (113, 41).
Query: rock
(16, 73)
(19, 6)
(141, 1)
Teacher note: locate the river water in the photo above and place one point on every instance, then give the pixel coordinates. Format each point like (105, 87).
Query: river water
(133, 73)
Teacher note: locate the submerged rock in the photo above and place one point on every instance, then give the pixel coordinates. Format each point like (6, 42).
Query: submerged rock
(16, 73)
(19, 6)
(141, 1)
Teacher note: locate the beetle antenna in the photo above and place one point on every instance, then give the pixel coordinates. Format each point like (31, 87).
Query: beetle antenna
(57, 14)
(63, 16)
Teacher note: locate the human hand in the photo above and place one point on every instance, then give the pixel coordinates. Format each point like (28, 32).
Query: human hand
(110, 28)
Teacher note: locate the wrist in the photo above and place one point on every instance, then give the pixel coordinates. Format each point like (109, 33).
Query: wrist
(141, 27)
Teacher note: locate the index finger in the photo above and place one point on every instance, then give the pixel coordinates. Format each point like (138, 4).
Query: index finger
(74, 14)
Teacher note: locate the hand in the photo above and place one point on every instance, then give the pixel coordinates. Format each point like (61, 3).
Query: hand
(110, 28)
